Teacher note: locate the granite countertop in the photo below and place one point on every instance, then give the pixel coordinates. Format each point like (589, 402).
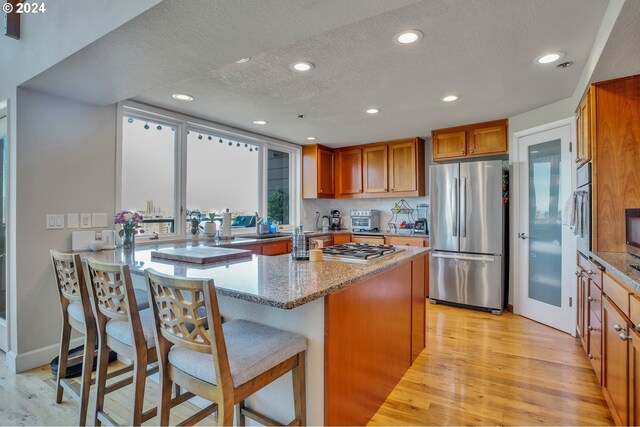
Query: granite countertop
(277, 281)
(618, 264)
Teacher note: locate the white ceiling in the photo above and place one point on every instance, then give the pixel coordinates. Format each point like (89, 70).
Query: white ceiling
(481, 50)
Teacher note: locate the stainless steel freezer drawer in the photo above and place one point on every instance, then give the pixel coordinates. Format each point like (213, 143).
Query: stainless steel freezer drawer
(469, 279)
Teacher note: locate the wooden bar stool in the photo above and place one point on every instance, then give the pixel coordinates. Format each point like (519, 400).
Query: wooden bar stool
(223, 363)
(77, 314)
(128, 331)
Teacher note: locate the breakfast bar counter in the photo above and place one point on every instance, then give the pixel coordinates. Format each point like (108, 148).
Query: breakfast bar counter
(364, 321)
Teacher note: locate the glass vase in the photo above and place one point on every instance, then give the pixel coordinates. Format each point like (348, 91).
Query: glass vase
(129, 239)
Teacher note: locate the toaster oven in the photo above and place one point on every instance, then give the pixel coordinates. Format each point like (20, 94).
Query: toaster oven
(365, 220)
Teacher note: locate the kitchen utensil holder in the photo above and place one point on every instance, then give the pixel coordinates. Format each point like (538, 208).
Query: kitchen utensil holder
(299, 246)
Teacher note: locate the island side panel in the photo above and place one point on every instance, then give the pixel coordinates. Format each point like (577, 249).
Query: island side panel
(418, 333)
(367, 344)
(276, 399)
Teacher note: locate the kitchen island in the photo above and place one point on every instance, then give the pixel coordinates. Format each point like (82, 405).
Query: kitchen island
(364, 322)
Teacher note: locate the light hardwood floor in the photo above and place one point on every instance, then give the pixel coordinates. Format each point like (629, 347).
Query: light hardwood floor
(477, 369)
(481, 369)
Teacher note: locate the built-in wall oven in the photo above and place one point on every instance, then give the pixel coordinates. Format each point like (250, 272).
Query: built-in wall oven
(632, 220)
(583, 207)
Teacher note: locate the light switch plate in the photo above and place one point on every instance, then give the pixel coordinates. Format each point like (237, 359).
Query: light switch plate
(73, 220)
(54, 222)
(85, 220)
(99, 220)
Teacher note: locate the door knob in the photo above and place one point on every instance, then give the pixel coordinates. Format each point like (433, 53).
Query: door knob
(523, 236)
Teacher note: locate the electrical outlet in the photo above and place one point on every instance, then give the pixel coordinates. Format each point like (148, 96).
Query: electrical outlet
(85, 220)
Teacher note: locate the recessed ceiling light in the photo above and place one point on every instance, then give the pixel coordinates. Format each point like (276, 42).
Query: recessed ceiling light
(302, 66)
(449, 98)
(260, 122)
(373, 111)
(311, 138)
(407, 37)
(549, 58)
(243, 60)
(183, 96)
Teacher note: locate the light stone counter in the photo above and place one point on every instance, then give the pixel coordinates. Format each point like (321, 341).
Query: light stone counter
(277, 281)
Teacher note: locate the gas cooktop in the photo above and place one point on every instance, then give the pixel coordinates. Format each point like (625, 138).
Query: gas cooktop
(359, 252)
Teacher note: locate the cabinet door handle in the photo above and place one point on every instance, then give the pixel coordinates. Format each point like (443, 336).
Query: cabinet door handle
(590, 299)
(577, 273)
(624, 337)
(462, 152)
(473, 151)
(590, 273)
(618, 328)
(591, 328)
(590, 356)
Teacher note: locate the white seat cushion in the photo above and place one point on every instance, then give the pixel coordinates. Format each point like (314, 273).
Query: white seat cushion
(75, 308)
(121, 331)
(252, 349)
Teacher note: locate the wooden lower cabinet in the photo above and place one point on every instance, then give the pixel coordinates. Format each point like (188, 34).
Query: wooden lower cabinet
(340, 239)
(405, 241)
(418, 301)
(375, 240)
(616, 361)
(583, 307)
(275, 248)
(634, 378)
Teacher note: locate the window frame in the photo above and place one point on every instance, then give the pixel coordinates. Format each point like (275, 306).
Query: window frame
(184, 123)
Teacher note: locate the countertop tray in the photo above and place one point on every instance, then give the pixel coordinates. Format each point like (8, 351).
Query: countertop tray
(201, 254)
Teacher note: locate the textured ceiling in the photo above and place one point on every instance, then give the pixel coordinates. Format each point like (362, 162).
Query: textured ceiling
(179, 39)
(481, 50)
(621, 55)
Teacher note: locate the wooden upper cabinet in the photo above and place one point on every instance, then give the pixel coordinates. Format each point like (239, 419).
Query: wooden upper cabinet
(349, 171)
(382, 169)
(583, 128)
(375, 169)
(402, 167)
(317, 172)
(488, 141)
(449, 145)
(475, 140)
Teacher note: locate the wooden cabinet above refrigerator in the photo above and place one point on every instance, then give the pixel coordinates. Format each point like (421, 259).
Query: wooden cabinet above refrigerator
(470, 141)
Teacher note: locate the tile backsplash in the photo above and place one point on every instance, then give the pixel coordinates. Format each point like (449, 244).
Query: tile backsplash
(325, 206)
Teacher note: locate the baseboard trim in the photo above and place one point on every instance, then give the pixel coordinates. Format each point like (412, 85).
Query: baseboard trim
(510, 308)
(20, 362)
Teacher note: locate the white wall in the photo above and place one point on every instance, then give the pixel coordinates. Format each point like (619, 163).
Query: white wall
(65, 163)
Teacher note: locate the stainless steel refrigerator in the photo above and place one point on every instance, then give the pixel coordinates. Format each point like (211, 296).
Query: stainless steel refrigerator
(467, 230)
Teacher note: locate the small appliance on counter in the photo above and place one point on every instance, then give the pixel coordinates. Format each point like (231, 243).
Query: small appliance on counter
(420, 226)
(335, 222)
(365, 220)
(299, 245)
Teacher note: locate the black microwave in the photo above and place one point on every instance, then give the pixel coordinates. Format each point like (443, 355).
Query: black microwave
(632, 226)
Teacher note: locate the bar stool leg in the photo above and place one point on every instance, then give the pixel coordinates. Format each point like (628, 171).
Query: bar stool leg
(101, 379)
(225, 412)
(139, 380)
(240, 418)
(87, 368)
(63, 356)
(299, 390)
(164, 407)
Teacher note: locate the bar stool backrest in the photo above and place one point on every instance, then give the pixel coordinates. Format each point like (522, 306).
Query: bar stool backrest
(70, 280)
(186, 314)
(114, 297)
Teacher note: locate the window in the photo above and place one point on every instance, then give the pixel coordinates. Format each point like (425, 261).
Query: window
(221, 174)
(149, 172)
(278, 169)
(172, 165)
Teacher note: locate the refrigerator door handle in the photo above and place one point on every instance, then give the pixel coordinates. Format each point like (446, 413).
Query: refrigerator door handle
(455, 207)
(463, 204)
(464, 257)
